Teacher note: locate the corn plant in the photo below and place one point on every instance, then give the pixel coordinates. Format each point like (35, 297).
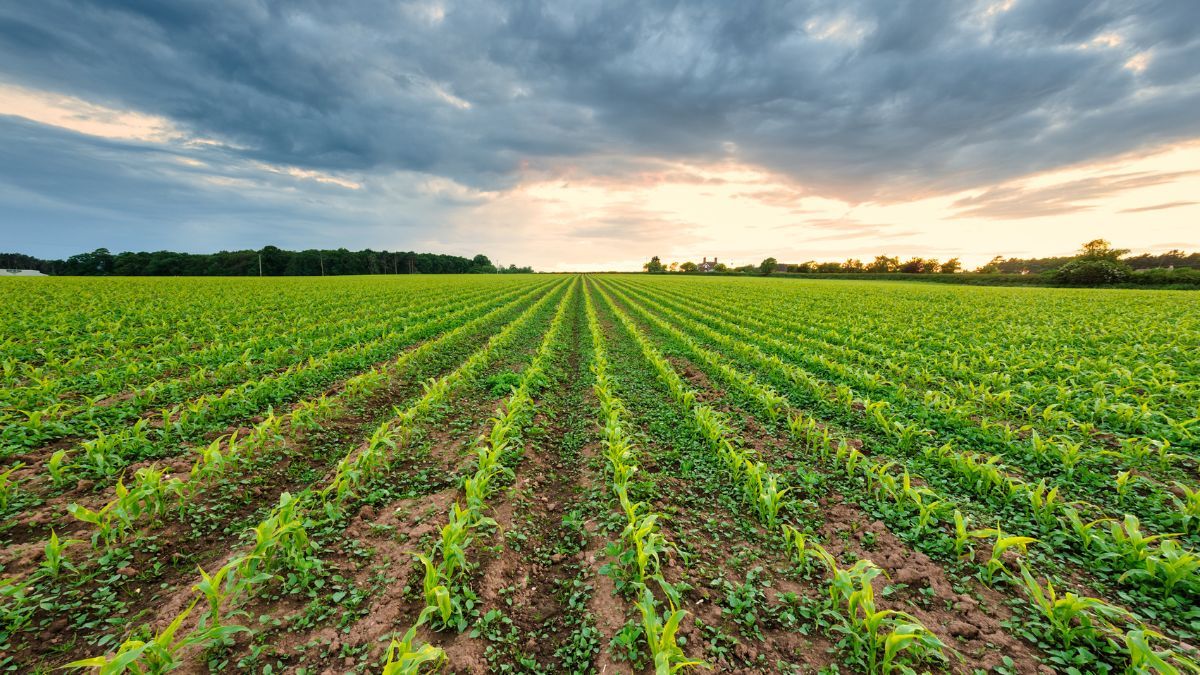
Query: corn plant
(1044, 502)
(1188, 507)
(1002, 543)
(222, 587)
(1072, 617)
(1124, 482)
(110, 522)
(963, 535)
(1145, 660)
(161, 653)
(1084, 530)
(879, 636)
(1128, 542)
(660, 632)
(1170, 565)
(404, 657)
(57, 467)
(8, 486)
(56, 560)
(801, 547)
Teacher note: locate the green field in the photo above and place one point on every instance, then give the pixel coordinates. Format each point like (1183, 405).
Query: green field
(597, 473)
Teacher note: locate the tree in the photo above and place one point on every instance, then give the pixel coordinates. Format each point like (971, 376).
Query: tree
(674, 267)
(1097, 264)
(951, 266)
(1101, 249)
(829, 267)
(913, 265)
(852, 265)
(993, 266)
(720, 267)
(882, 263)
(688, 266)
(767, 266)
(655, 266)
(1092, 272)
(481, 260)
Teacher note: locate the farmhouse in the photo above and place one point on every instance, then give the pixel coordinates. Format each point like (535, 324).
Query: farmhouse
(707, 266)
(20, 273)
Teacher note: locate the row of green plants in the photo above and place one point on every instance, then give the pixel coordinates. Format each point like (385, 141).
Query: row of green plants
(1144, 559)
(149, 334)
(928, 508)
(641, 545)
(116, 518)
(886, 640)
(81, 325)
(106, 455)
(1061, 456)
(1166, 509)
(1130, 379)
(232, 360)
(281, 542)
(445, 567)
(190, 419)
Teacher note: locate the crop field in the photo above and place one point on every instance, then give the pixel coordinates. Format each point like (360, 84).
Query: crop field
(596, 473)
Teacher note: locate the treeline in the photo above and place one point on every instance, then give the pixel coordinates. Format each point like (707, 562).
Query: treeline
(1174, 259)
(269, 261)
(1096, 264)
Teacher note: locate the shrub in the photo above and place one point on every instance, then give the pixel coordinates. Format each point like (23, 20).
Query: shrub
(1092, 272)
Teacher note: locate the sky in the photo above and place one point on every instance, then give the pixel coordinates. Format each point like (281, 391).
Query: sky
(594, 134)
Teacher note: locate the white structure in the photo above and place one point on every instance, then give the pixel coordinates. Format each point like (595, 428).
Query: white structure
(20, 273)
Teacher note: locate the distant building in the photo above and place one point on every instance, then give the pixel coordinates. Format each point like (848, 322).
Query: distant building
(707, 266)
(20, 273)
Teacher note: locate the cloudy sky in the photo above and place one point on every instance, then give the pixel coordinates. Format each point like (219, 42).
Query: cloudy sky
(585, 135)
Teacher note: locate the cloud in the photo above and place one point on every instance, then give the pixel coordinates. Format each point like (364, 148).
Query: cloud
(1017, 201)
(860, 99)
(406, 118)
(1158, 207)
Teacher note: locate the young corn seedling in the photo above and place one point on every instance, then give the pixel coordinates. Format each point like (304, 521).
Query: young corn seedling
(1135, 451)
(223, 587)
(660, 632)
(646, 545)
(767, 495)
(1163, 456)
(909, 436)
(1145, 660)
(436, 589)
(162, 653)
(1044, 503)
(1128, 542)
(1072, 617)
(1084, 530)
(1124, 483)
(803, 550)
(1070, 454)
(56, 560)
(8, 486)
(100, 455)
(109, 522)
(404, 657)
(1003, 543)
(57, 467)
(1188, 507)
(1170, 565)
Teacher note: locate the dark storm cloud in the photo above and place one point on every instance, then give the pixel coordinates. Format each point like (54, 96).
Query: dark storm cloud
(904, 95)
(859, 100)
